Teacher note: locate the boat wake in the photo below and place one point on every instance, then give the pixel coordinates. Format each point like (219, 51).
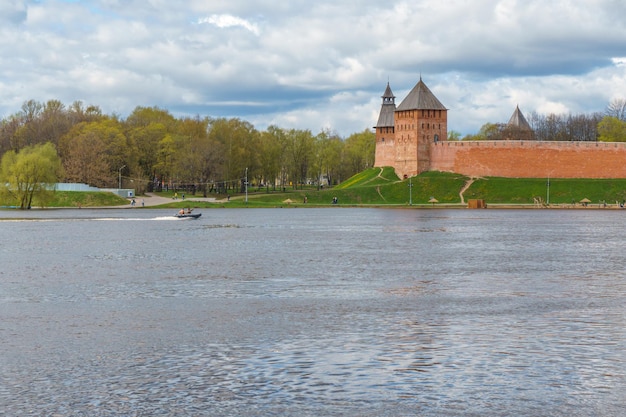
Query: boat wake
(137, 219)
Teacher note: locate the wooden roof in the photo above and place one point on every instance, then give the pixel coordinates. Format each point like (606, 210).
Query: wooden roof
(421, 98)
(385, 118)
(518, 120)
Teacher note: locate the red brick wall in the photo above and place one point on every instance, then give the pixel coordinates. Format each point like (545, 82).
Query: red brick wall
(408, 148)
(385, 148)
(530, 159)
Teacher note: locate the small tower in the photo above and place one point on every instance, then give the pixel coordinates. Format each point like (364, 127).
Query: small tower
(384, 128)
(518, 128)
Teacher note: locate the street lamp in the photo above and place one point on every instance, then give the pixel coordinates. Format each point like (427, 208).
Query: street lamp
(119, 177)
(246, 185)
(410, 191)
(548, 192)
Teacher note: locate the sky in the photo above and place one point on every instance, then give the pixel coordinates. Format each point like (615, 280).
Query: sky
(316, 65)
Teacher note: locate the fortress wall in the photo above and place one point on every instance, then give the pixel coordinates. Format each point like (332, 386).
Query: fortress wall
(530, 159)
(400, 153)
(385, 152)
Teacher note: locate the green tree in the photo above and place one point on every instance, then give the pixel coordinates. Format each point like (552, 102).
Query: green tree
(147, 140)
(202, 157)
(326, 153)
(612, 129)
(166, 159)
(272, 156)
(359, 152)
(145, 128)
(454, 135)
(489, 131)
(334, 150)
(240, 143)
(28, 176)
(300, 144)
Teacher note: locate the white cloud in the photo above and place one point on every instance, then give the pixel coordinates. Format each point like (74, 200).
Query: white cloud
(227, 21)
(619, 61)
(314, 65)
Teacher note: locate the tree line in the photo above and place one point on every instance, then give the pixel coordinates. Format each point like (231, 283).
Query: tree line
(607, 126)
(154, 149)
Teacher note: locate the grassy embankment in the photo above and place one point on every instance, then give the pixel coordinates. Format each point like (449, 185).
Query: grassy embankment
(76, 199)
(381, 187)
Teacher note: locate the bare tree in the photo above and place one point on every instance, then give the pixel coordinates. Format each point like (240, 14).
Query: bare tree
(617, 109)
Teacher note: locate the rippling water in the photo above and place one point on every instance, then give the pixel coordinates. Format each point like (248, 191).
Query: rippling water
(313, 312)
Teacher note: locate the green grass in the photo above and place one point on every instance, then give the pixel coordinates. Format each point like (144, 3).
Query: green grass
(369, 188)
(381, 187)
(370, 177)
(78, 199)
(562, 191)
(87, 199)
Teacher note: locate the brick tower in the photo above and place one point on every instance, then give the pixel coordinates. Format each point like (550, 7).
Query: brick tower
(385, 143)
(419, 121)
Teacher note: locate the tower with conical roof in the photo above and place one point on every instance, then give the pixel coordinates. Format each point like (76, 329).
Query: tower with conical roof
(385, 144)
(518, 128)
(418, 122)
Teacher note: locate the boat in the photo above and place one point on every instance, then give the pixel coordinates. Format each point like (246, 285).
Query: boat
(188, 215)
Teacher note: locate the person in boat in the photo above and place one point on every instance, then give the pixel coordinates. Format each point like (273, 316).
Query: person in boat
(189, 210)
(182, 211)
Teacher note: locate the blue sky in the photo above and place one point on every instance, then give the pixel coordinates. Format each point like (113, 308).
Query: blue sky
(314, 65)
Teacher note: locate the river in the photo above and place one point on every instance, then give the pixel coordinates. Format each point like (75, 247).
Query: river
(310, 312)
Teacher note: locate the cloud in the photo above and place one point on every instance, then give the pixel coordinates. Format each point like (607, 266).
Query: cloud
(314, 65)
(228, 21)
(12, 12)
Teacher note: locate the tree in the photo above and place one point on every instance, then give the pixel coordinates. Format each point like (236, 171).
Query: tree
(147, 140)
(617, 109)
(166, 159)
(360, 150)
(554, 127)
(488, 131)
(240, 142)
(202, 158)
(30, 129)
(334, 150)
(612, 129)
(8, 130)
(115, 149)
(83, 160)
(454, 135)
(272, 155)
(54, 122)
(299, 150)
(320, 155)
(28, 175)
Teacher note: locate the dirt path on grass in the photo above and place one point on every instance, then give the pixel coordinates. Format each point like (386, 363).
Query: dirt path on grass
(467, 185)
(151, 200)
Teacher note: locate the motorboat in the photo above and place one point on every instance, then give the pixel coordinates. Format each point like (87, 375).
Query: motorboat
(188, 215)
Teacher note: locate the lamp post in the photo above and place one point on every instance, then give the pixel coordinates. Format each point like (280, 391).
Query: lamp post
(246, 185)
(119, 177)
(548, 192)
(410, 191)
